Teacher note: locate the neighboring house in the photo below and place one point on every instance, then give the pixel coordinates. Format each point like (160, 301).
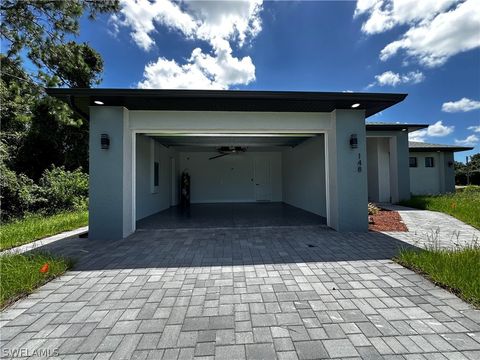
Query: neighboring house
(310, 150)
(432, 169)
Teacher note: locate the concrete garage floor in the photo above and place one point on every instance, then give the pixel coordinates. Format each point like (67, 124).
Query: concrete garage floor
(283, 292)
(230, 215)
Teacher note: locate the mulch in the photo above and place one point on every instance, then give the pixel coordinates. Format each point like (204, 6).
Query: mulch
(386, 220)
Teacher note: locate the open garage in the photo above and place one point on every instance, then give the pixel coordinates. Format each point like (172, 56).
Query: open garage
(234, 179)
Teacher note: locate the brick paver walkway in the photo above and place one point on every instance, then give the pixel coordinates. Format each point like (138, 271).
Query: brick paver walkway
(255, 293)
(433, 229)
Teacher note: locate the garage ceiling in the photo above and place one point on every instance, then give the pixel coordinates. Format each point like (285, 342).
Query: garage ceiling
(263, 140)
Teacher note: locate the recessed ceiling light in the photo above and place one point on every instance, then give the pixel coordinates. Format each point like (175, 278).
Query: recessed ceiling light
(98, 102)
(355, 105)
(404, 129)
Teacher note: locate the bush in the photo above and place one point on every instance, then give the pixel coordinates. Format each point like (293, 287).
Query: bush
(58, 190)
(373, 209)
(63, 190)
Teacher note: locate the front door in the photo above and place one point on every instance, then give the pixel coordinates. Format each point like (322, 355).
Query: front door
(262, 180)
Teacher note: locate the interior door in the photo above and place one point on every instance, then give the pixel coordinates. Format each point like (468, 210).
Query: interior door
(262, 180)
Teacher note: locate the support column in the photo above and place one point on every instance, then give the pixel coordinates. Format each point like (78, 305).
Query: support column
(347, 190)
(111, 192)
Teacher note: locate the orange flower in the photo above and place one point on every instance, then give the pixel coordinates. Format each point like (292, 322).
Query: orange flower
(44, 268)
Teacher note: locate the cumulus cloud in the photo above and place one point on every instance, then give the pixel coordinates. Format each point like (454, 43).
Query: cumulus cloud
(462, 105)
(390, 78)
(221, 24)
(435, 130)
(470, 140)
(437, 29)
(474, 128)
(419, 135)
(438, 129)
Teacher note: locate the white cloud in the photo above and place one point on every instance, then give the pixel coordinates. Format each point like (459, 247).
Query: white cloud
(435, 130)
(438, 29)
(202, 71)
(438, 129)
(220, 24)
(462, 105)
(389, 78)
(470, 140)
(419, 135)
(474, 128)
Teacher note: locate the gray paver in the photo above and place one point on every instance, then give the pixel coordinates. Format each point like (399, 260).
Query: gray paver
(243, 293)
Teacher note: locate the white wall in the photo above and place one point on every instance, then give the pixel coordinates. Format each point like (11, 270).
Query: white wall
(229, 178)
(147, 201)
(304, 176)
(437, 180)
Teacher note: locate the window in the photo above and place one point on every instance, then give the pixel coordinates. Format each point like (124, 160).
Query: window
(412, 161)
(155, 173)
(429, 161)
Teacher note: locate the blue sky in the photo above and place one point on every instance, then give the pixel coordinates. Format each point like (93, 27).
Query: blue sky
(429, 49)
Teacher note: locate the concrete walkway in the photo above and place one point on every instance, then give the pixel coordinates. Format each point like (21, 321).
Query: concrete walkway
(432, 228)
(46, 241)
(240, 293)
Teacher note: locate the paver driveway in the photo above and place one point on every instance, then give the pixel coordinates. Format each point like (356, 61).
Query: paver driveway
(256, 293)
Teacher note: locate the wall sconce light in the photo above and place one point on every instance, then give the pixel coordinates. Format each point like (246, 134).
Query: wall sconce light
(353, 141)
(450, 163)
(104, 141)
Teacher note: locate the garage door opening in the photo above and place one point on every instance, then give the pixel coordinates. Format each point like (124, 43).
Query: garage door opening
(236, 180)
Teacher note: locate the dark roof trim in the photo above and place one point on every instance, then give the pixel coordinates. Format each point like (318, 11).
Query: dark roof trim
(228, 100)
(394, 127)
(416, 146)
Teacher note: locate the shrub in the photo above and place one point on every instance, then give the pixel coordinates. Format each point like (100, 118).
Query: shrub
(373, 209)
(61, 189)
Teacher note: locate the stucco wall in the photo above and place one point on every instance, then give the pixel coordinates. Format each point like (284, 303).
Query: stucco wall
(149, 199)
(303, 169)
(229, 178)
(436, 180)
(378, 164)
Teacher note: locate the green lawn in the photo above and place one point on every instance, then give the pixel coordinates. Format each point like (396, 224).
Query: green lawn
(463, 205)
(21, 274)
(36, 227)
(456, 270)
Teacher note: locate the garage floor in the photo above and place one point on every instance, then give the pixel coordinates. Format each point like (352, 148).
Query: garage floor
(227, 215)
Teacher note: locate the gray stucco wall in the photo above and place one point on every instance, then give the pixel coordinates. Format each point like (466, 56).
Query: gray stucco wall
(110, 175)
(439, 179)
(399, 174)
(348, 189)
(303, 169)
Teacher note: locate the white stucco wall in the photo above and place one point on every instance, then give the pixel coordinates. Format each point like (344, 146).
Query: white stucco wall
(436, 180)
(151, 200)
(303, 170)
(229, 178)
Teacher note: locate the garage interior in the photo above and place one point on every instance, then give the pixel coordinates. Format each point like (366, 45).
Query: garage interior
(236, 180)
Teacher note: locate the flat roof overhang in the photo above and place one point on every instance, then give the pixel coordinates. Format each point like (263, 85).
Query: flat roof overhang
(225, 100)
(394, 127)
(440, 148)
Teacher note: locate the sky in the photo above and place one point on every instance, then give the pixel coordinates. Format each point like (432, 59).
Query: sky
(429, 49)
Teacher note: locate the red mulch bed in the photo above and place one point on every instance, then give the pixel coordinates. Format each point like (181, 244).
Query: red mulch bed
(386, 220)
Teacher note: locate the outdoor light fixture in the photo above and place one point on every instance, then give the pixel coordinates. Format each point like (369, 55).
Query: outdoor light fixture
(104, 141)
(98, 102)
(353, 141)
(450, 163)
(404, 129)
(355, 105)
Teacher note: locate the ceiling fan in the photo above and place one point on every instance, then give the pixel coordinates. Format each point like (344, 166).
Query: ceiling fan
(228, 150)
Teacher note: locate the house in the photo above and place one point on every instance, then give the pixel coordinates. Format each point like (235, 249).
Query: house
(310, 150)
(432, 168)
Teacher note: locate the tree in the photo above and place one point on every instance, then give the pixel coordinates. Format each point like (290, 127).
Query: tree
(469, 171)
(40, 130)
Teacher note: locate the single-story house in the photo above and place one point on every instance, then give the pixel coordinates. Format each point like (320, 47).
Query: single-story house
(432, 168)
(311, 150)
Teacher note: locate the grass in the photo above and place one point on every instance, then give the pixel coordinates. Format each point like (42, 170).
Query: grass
(455, 270)
(21, 274)
(36, 227)
(463, 205)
